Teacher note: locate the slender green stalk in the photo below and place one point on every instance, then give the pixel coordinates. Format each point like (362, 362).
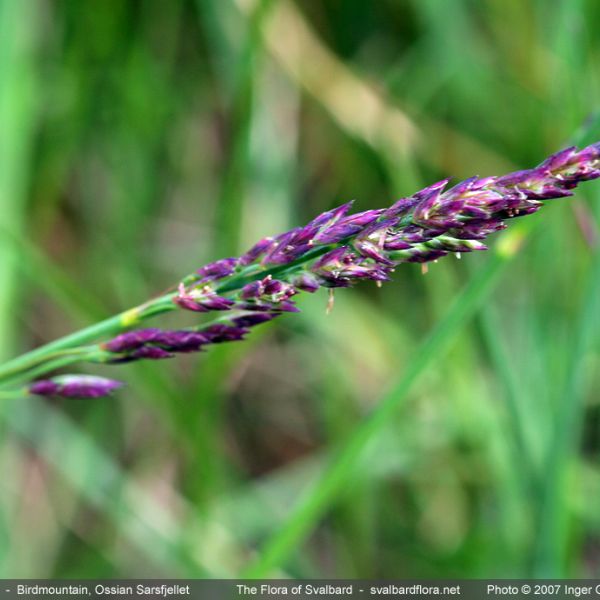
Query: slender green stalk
(525, 465)
(13, 394)
(108, 327)
(17, 117)
(52, 361)
(552, 526)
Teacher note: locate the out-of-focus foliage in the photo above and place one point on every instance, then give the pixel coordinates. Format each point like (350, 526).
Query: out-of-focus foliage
(139, 140)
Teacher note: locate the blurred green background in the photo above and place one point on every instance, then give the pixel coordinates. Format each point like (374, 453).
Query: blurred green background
(139, 140)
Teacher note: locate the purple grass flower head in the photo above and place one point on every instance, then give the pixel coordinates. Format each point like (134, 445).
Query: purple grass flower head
(336, 249)
(339, 249)
(472, 209)
(74, 386)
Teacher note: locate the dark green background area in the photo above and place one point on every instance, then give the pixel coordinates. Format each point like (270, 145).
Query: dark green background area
(139, 140)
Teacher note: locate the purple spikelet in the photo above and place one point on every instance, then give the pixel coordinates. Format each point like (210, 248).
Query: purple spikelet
(201, 299)
(161, 344)
(131, 340)
(218, 269)
(74, 386)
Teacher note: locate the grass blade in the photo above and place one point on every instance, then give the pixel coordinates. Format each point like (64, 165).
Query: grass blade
(17, 80)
